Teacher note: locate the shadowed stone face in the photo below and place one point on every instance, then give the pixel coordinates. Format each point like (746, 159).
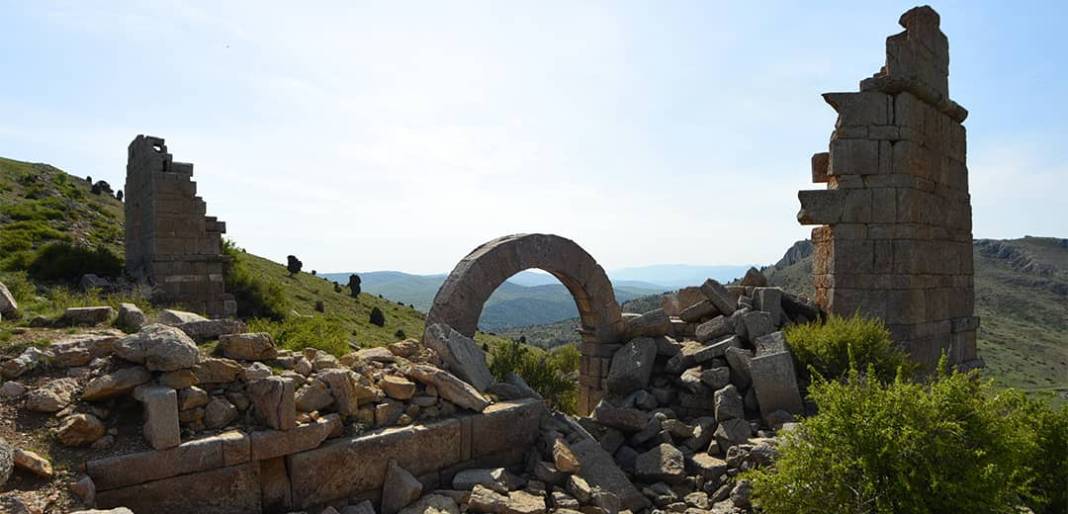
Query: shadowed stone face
(459, 302)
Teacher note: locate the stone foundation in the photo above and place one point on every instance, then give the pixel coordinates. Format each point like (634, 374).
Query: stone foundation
(170, 242)
(276, 471)
(897, 236)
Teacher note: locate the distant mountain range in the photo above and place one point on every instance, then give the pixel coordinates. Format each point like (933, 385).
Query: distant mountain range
(535, 297)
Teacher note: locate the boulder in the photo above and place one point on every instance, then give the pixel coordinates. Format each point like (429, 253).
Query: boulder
(8, 305)
(159, 348)
(273, 399)
(632, 365)
(714, 328)
(716, 378)
(131, 317)
(775, 383)
(116, 383)
(80, 430)
(28, 360)
(600, 470)
(80, 349)
(565, 459)
(87, 316)
(53, 396)
(208, 329)
(732, 432)
(178, 379)
(12, 391)
(625, 419)
(400, 489)
(257, 346)
(192, 397)
(698, 311)
(33, 463)
(460, 353)
(449, 387)
(754, 278)
(757, 324)
(173, 317)
(739, 360)
(345, 390)
(485, 500)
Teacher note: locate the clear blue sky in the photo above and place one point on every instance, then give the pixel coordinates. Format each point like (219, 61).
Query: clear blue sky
(400, 135)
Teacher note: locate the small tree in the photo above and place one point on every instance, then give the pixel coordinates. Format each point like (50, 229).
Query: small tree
(320, 306)
(377, 318)
(399, 334)
(354, 285)
(118, 195)
(293, 265)
(314, 273)
(337, 287)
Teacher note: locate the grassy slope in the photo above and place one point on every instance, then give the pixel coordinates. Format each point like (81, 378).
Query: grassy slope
(40, 203)
(1023, 333)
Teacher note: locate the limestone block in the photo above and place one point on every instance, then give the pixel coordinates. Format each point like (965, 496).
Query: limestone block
(274, 401)
(820, 167)
(460, 353)
(498, 428)
(775, 383)
(161, 427)
(230, 490)
(87, 316)
(861, 109)
(600, 470)
(227, 449)
(632, 365)
(854, 157)
(718, 295)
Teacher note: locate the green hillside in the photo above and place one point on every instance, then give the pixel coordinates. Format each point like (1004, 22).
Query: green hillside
(40, 204)
(1021, 297)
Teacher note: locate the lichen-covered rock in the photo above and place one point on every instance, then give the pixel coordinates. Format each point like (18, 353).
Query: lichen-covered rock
(159, 347)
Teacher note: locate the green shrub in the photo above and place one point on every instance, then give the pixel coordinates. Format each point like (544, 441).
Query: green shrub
(830, 348)
(256, 298)
(377, 318)
(297, 333)
(953, 445)
(1049, 492)
(66, 262)
(552, 374)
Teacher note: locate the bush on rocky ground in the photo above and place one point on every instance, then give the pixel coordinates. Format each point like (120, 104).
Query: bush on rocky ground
(377, 318)
(1049, 490)
(552, 374)
(831, 348)
(952, 445)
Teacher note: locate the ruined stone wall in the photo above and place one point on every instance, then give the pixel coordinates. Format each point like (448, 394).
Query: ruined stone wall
(170, 242)
(896, 240)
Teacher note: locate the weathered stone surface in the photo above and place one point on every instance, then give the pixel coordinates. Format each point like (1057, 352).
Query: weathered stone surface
(693, 353)
(600, 470)
(400, 489)
(625, 419)
(12, 390)
(36, 464)
(192, 397)
(80, 349)
(131, 317)
(757, 324)
(161, 427)
(732, 432)
(365, 507)
(343, 388)
(398, 388)
(174, 317)
(698, 311)
(213, 370)
(486, 500)
(159, 348)
(178, 379)
(775, 383)
(256, 346)
(662, 463)
(192, 457)
(208, 329)
(342, 467)
(754, 278)
(654, 323)
(228, 490)
(564, 458)
(729, 404)
(313, 396)
(429, 504)
(116, 383)
(28, 360)
(739, 359)
(218, 413)
(497, 479)
(53, 396)
(7, 461)
(718, 295)
(80, 430)
(273, 399)
(460, 353)
(8, 305)
(449, 387)
(87, 316)
(632, 366)
(714, 328)
(269, 444)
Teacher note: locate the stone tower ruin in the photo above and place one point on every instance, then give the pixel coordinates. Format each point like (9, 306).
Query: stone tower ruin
(896, 240)
(170, 242)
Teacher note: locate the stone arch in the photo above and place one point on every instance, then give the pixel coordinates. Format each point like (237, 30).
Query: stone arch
(459, 301)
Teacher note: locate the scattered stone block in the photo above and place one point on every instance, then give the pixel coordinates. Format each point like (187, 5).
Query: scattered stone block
(208, 329)
(87, 316)
(631, 366)
(159, 348)
(117, 383)
(460, 353)
(273, 399)
(256, 346)
(161, 427)
(131, 317)
(449, 387)
(775, 383)
(718, 295)
(36, 464)
(80, 430)
(662, 463)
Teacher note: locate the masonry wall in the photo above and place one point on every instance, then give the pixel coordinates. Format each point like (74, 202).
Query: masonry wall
(896, 234)
(170, 242)
(311, 465)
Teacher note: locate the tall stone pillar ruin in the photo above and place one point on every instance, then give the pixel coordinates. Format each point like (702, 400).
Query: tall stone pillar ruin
(170, 242)
(896, 234)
